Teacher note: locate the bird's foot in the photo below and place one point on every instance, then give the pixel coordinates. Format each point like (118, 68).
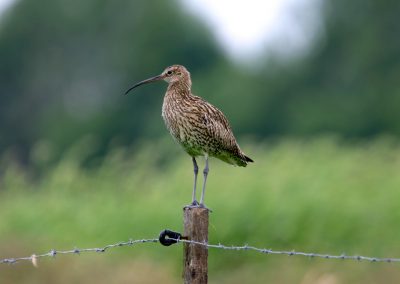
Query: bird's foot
(201, 205)
(196, 204)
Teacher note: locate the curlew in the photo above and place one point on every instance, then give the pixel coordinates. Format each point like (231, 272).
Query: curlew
(198, 126)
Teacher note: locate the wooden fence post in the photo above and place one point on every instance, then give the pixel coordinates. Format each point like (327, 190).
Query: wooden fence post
(195, 270)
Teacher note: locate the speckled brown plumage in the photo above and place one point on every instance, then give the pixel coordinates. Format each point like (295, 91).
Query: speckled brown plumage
(199, 127)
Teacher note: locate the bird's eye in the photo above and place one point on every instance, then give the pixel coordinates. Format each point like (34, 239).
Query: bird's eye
(169, 72)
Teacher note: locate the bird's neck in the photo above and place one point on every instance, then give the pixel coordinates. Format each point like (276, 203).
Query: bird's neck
(179, 88)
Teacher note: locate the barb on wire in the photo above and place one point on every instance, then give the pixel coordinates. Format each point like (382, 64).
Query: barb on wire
(291, 253)
(52, 253)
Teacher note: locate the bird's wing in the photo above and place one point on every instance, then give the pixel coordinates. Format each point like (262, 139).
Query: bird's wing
(216, 124)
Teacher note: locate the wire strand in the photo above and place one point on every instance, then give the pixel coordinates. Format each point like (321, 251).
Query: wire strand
(53, 253)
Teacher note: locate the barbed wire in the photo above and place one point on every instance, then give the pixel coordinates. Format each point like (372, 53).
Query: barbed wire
(53, 253)
(292, 253)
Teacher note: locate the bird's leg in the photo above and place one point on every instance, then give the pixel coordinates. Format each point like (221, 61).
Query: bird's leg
(205, 172)
(196, 170)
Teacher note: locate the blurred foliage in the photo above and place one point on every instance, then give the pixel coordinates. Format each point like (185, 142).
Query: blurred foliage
(318, 195)
(65, 65)
(348, 83)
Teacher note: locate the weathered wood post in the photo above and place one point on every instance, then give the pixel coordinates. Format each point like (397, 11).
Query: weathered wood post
(195, 268)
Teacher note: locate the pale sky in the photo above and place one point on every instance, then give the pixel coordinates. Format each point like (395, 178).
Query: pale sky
(247, 28)
(4, 4)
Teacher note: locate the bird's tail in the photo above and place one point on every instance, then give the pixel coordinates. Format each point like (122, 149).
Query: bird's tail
(247, 159)
(243, 160)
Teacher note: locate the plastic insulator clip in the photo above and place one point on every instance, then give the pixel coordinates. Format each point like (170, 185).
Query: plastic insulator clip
(168, 237)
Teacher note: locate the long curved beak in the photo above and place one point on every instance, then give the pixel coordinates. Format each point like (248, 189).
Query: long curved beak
(152, 79)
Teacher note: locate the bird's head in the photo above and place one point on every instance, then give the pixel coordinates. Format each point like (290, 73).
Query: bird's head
(172, 74)
(175, 73)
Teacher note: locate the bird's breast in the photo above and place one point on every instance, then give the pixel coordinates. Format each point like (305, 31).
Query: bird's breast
(172, 116)
(181, 123)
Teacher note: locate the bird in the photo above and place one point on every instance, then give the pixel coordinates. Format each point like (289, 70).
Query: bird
(198, 126)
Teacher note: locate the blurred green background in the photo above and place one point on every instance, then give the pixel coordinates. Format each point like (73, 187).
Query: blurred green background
(82, 165)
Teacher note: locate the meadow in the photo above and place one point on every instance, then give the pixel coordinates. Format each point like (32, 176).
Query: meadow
(321, 195)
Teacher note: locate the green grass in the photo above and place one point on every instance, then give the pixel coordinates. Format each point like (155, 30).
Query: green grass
(319, 195)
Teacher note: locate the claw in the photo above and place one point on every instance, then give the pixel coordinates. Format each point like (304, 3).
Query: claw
(201, 205)
(195, 204)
